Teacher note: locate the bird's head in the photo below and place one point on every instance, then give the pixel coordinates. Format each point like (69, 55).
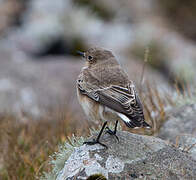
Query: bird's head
(95, 56)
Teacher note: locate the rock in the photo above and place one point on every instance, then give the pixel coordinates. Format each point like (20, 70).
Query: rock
(50, 27)
(187, 143)
(134, 156)
(180, 129)
(181, 120)
(42, 26)
(47, 23)
(35, 87)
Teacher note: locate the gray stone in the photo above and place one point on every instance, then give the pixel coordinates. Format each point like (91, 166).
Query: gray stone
(181, 120)
(134, 156)
(34, 87)
(180, 129)
(187, 143)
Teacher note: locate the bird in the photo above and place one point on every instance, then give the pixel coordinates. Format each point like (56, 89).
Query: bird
(105, 93)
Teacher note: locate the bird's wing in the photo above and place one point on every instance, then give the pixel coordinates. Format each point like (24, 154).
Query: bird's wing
(87, 89)
(123, 100)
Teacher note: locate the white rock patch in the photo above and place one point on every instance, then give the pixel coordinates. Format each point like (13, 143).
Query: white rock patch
(81, 160)
(114, 165)
(98, 157)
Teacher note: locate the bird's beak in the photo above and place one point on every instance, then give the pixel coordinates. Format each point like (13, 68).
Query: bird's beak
(81, 53)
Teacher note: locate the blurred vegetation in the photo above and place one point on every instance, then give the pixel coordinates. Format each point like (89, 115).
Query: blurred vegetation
(182, 16)
(25, 147)
(158, 60)
(156, 56)
(98, 8)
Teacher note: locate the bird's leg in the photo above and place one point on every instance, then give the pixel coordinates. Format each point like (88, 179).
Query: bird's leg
(114, 131)
(96, 141)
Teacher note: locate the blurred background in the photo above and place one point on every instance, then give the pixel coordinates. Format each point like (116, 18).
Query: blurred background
(39, 64)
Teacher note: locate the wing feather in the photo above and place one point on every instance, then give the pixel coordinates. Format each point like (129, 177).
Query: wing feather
(121, 99)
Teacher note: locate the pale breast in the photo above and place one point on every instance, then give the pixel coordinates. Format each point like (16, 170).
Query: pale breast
(90, 107)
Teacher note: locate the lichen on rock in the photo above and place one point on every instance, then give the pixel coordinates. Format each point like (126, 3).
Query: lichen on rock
(133, 156)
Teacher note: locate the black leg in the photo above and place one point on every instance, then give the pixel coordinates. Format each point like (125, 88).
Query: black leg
(96, 141)
(114, 131)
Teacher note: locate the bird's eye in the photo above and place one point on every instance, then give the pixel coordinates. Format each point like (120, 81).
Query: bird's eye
(90, 58)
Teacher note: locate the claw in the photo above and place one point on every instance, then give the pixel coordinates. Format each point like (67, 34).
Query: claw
(95, 142)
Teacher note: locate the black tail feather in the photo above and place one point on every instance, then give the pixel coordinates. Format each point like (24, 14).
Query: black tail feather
(146, 125)
(137, 122)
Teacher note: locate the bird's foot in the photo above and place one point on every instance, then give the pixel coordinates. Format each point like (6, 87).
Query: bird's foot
(95, 141)
(113, 133)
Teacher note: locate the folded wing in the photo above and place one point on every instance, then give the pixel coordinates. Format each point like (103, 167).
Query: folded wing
(121, 99)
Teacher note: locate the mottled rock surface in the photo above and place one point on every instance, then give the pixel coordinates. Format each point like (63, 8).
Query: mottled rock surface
(181, 120)
(135, 156)
(180, 128)
(187, 143)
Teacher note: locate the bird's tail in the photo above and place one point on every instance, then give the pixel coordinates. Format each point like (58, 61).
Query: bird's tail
(146, 125)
